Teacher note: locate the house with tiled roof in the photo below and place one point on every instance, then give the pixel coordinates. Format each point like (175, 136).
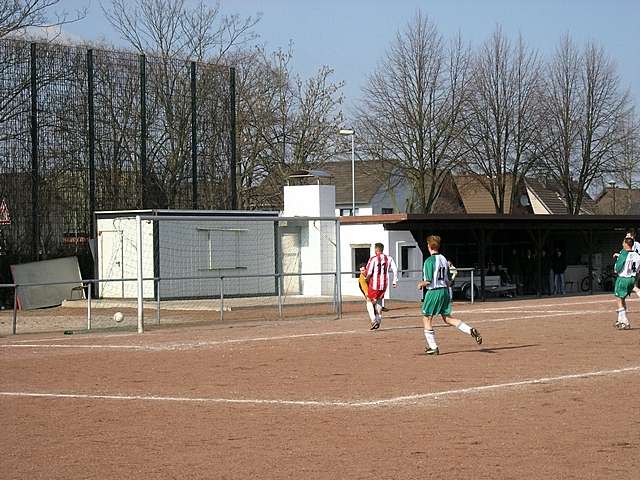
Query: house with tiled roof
(618, 201)
(546, 199)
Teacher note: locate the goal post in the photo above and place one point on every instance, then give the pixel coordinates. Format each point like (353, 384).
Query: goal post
(226, 260)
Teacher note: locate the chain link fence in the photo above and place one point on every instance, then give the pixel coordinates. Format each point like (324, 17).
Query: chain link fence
(83, 130)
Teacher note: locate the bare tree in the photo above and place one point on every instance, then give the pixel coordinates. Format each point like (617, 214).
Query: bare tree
(16, 16)
(172, 28)
(171, 32)
(584, 113)
(504, 117)
(285, 122)
(411, 116)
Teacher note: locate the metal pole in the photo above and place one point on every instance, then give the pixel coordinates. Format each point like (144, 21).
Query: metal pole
(143, 131)
(89, 306)
(279, 283)
(35, 175)
(140, 276)
(92, 142)
(14, 320)
(338, 271)
(194, 139)
(158, 301)
(353, 174)
(232, 139)
(221, 299)
(473, 287)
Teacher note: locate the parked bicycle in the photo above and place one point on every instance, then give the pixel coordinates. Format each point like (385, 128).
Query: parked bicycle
(605, 280)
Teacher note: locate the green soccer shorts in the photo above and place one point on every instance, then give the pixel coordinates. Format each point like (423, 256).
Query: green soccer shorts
(624, 286)
(437, 302)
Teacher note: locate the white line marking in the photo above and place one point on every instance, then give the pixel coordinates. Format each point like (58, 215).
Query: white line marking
(215, 343)
(406, 399)
(187, 345)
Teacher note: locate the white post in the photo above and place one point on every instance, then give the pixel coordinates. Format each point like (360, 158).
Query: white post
(140, 276)
(89, 305)
(338, 271)
(353, 174)
(473, 286)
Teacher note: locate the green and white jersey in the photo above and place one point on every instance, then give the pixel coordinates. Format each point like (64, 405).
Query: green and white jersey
(627, 264)
(436, 271)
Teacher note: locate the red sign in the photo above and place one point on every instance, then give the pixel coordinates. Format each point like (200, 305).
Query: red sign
(5, 216)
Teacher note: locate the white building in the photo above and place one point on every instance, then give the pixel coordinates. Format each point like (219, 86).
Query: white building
(190, 257)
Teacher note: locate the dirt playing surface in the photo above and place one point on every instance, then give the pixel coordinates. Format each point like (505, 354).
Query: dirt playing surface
(551, 392)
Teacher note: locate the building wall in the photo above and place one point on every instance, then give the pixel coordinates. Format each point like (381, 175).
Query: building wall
(395, 198)
(317, 245)
(365, 236)
(118, 256)
(208, 249)
(204, 249)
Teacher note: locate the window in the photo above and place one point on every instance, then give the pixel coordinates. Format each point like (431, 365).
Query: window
(407, 262)
(387, 211)
(360, 255)
(346, 212)
(219, 248)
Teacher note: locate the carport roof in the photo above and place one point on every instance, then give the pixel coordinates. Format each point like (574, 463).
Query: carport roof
(411, 221)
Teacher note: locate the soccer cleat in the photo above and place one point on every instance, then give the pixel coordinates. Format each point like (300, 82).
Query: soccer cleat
(374, 325)
(476, 336)
(432, 351)
(623, 326)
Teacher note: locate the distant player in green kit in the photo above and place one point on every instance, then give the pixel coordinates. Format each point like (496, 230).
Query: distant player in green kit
(437, 301)
(627, 265)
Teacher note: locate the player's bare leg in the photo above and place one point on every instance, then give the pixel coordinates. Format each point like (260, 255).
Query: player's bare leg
(430, 336)
(623, 322)
(464, 328)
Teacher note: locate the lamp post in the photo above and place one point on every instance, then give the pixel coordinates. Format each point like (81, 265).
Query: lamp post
(612, 184)
(352, 133)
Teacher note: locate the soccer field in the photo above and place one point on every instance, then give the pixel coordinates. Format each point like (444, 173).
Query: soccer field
(552, 392)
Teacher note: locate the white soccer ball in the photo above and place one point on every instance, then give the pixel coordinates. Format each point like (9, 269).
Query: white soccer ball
(118, 317)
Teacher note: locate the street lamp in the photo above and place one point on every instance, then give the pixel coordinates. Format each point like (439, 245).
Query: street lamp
(350, 132)
(612, 184)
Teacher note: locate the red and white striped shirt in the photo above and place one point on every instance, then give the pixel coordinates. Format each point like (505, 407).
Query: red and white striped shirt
(378, 271)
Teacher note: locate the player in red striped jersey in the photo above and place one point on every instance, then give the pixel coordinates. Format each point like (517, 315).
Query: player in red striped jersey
(377, 274)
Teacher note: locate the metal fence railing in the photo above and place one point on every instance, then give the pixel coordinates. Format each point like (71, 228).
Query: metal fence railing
(88, 287)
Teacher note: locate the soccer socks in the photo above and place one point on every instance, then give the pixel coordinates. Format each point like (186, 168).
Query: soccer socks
(622, 316)
(464, 328)
(372, 313)
(430, 336)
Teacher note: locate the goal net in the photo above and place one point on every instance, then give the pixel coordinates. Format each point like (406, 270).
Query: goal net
(208, 267)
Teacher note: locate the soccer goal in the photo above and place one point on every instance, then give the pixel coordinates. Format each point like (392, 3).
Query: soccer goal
(231, 261)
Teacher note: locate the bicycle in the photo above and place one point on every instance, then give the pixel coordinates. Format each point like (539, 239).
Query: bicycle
(604, 280)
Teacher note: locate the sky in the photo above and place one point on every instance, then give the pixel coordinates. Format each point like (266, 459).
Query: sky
(351, 36)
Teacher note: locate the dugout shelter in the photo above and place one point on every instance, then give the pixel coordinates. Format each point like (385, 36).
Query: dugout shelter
(586, 241)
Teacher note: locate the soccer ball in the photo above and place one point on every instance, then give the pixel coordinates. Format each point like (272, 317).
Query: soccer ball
(118, 317)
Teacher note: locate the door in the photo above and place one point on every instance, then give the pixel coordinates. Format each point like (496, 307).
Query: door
(111, 263)
(291, 262)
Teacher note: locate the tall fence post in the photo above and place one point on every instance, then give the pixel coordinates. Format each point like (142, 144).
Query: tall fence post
(143, 132)
(233, 193)
(91, 142)
(194, 138)
(35, 174)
